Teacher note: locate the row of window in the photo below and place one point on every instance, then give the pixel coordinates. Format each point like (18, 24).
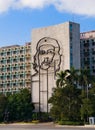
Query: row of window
(3, 69)
(12, 76)
(12, 84)
(87, 52)
(12, 69)
(16, 47)
(14, 52)
(4, 61)
(88, 41)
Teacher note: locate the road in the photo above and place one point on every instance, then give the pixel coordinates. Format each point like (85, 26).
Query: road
(41, 127)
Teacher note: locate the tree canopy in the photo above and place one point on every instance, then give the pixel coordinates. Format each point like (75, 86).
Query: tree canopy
(17, 106)
(73, 99)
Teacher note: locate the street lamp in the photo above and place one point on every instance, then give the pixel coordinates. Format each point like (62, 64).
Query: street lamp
(88, 86)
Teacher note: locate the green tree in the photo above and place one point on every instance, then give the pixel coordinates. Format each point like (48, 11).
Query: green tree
(65, 103)
(66, 98)
(88, 103)
(3, 104)
(86, 82)
(20, 106)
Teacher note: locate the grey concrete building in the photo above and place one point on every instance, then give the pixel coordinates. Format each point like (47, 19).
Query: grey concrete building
(54, 48)
(87, 49)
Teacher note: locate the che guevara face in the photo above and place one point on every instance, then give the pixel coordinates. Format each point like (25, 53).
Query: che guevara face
(45, 55)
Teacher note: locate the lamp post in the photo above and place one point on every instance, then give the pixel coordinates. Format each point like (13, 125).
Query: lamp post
(87, 91)
(88, 86)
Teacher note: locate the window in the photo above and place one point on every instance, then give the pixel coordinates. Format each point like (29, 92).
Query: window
(71, 27)
(22, 59)
(71, 36)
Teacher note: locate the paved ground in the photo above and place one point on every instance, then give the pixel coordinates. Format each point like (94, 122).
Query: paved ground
(43, 126)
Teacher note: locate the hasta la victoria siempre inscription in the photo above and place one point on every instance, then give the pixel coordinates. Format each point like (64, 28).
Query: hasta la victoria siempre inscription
(47, 55)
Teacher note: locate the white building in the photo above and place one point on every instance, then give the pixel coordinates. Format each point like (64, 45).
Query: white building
(15, 68)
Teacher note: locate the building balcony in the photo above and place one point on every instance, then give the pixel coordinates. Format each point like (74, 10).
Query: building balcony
(28, 80)
(27, 55)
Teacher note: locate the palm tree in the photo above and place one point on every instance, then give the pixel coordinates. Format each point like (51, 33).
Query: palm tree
(73, 76)
(68, 76)
(84, 78)
(61, 78)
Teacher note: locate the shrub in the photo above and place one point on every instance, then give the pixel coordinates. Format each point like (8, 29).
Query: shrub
(70, 123)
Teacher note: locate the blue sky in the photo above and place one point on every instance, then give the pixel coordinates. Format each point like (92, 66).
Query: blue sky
(19, 17)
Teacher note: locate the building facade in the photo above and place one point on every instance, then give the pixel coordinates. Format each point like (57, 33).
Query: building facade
(87, 47)
(34, 66)
(15, 68)
(53, 48)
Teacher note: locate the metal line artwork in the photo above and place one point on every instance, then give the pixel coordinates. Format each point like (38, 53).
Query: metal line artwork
(47, 54)
(47, 59)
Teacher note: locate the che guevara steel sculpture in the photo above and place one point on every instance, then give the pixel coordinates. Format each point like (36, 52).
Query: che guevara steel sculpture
(46, 59)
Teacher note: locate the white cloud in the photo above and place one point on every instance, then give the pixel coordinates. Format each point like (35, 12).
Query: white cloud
(81, 7)
(31, 3)
(5, 5)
